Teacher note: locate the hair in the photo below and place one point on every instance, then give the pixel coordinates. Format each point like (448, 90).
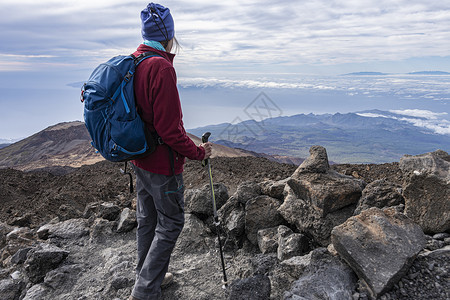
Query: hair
(176, 47)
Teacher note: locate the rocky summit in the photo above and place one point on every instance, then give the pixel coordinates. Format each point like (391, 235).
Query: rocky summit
(300, 233)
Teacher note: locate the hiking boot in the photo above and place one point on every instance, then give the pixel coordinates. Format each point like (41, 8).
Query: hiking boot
(168, 279)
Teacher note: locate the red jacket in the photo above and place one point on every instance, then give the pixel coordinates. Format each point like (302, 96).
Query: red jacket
(158, 102)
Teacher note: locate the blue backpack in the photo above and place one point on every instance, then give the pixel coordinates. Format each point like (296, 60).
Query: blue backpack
(110, 114)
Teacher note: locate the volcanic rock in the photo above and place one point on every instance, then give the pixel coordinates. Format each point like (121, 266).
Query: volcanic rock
(232, 217)
(322, 187)
(268, 240)
(317, 162)
(261, 213)
(127, 220)
(101, 230)
(380, 193)
(62, 276)
(4, 230)
(43, 259)
(198, 201)
(328, 192)
(296, 265)
(253, 288)
(274, 189)
(427, 190)
(106, 210)
(308, 218)
(17, 239)
(379, 240)
(194, 236)
(290, 244)
(428, 278)
(37, 291)
(9, 289)
(326, 278)
(20, 256)
(246, 191)
(70, 229)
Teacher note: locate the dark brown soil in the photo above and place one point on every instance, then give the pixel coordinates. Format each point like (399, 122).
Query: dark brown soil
(371, 172)
(34, 198)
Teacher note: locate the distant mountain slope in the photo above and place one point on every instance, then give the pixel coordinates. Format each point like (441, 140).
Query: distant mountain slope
(63, 145)
(67, 145)
(366, 137)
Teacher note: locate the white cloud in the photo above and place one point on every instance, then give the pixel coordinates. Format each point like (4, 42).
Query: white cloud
(426, 114)
(420, 118)
(247, 34)
(372, 115)
(440, 127)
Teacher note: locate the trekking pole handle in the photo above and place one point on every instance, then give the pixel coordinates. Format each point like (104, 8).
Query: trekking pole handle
(205, 137)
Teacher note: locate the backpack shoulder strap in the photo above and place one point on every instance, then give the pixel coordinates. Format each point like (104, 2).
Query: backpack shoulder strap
(138, 59)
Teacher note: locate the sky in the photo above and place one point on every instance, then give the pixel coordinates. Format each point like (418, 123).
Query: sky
(294, 51)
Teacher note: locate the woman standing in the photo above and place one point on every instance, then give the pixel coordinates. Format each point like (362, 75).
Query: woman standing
(160, 202)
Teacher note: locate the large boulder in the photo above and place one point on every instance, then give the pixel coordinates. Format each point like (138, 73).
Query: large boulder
(328, 192)
(261, 212)
(198, 201)
(317, 162)
(290, 244)
(268, 240)
(379, 245)
(17, 239)
(247, 191)
(286, 272)
(380, 193)
(63, 278)
(427, 190)
(42, 259)
(324, 188)
(274, 189)
(252, 288)
(326, 277)
(318, 198)
(194, 237)
(309, 219)
(232, 219)
(101, 230)
(127, 220)
(70, 229)
(11, 290)
(106, 210)
(37, 291)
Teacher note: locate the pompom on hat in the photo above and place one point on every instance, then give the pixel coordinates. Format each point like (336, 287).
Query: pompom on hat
(157, 23)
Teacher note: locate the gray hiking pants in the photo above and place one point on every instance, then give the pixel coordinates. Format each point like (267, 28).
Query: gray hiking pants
(160, 217)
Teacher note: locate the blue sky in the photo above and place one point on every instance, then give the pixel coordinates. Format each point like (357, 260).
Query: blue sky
(231, 51)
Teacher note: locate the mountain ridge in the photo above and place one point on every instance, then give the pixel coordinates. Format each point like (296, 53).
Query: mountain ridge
(62, 147)
(362, 137)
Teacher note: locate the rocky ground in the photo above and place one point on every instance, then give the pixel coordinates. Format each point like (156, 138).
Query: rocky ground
(72, 236)
(32, 198)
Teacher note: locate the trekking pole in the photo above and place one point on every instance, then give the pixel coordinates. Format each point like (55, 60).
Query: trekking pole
(206, 163)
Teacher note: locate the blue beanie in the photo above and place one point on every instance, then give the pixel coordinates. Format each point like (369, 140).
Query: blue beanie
(157, 23)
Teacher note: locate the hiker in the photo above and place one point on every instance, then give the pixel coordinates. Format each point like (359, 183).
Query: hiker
(159, 181)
